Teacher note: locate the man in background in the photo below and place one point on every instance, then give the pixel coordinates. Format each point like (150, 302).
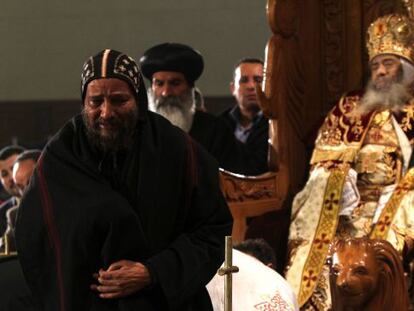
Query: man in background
(14, 294)
(23, 168)
(246, 119)
(8, 156)
(173, 69)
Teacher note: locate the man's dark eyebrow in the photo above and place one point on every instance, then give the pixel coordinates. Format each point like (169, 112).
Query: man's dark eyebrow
(120, 94)
(175, 80)
(97, 96)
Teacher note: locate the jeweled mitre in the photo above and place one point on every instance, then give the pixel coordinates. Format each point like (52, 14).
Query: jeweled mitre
(391, 34)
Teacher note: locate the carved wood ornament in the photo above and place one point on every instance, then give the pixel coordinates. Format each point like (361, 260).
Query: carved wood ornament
(366, 275)
(255, 196)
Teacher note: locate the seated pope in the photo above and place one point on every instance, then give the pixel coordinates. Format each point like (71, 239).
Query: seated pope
(361, 181)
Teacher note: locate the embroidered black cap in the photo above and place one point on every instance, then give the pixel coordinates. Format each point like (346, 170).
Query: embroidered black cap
(172, 57)
(114, 64)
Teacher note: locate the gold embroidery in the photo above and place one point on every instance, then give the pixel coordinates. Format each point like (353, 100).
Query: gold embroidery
(379, 160)
(330, 133)
(358, 211)
(375, 135)
(367, 226)
(367, 162)
(389, 161)
(406, 121)
(381, 118)
(348, 104)
(357, 129)
(381, 228)
(347, 154)
(347, 107)
(324, 234)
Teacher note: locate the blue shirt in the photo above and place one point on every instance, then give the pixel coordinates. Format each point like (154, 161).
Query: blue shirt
(242, 133)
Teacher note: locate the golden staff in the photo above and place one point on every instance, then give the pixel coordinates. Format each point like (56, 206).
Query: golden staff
(228, 269)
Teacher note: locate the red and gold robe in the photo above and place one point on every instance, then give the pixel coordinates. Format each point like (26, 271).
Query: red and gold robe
(360, 185)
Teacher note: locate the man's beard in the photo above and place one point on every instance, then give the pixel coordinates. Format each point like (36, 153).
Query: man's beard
(120, 137)
(179, 110)
(392, 96)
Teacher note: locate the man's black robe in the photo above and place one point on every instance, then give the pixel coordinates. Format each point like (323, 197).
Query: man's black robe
(214, 134)
(14, 293)
(257, 142)
(161, 206)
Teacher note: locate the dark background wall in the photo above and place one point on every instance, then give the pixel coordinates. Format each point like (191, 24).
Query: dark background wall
(44, 44)
(31, 122)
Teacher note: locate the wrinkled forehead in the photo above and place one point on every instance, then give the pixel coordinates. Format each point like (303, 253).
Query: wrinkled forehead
(109, 83)
(108, 86)
(379, 59)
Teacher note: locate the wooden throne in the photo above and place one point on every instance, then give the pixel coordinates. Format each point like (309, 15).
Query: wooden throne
(315, 54)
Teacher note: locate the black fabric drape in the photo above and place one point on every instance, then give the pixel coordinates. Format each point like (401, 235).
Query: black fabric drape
(256, 147)
(14, 293)
(217, 137)
(72, 221)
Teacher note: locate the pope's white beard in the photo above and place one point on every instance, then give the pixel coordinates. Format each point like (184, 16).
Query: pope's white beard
(393, 97)
(179, 110)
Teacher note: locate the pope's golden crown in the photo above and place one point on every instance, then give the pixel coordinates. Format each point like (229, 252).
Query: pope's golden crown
(391, 34)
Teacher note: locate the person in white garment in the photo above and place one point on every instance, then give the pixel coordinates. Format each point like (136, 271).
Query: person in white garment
(255, 287)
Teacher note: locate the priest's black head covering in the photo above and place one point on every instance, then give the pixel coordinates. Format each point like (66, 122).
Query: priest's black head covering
(172, 57)
(113, 64)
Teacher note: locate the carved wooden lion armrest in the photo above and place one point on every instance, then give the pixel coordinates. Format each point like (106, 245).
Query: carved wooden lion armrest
(249, 196)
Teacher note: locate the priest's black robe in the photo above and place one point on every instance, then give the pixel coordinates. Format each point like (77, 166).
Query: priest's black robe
(14, 293)
(159, 204)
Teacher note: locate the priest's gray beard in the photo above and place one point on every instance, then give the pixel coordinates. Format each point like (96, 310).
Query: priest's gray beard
(393, 96)
(179, 110)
